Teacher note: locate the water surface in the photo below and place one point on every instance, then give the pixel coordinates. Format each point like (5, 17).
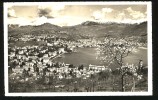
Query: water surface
(88, 56)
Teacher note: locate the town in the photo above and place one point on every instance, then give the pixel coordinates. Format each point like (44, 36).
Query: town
(29, 63)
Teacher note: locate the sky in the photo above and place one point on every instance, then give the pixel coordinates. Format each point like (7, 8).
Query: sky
(62, 14)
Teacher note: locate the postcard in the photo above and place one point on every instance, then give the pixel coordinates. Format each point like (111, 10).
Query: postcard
(77, 48)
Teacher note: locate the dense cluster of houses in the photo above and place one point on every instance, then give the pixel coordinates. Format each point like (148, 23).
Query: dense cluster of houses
(55, 41)
(89, 42)
(36, 67)
(37, 61)
(128, 41)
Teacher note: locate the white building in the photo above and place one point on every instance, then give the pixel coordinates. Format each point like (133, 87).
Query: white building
(96, 68)
(61, 50)
(46, 59)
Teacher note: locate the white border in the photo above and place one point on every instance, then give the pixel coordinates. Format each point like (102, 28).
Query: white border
(150, 81)
(78, 3)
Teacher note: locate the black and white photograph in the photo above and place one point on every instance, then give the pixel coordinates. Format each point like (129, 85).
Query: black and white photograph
(77, 48)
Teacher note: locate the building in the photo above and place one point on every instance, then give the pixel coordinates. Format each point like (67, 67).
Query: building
(61, 50)
(96, 68)
(46, 59)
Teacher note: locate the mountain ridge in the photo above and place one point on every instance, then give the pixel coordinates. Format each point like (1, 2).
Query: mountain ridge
(84, 30)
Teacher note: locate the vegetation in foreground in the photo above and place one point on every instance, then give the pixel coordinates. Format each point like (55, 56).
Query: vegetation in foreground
(103, 81)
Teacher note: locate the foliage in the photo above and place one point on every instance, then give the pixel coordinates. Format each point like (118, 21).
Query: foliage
(114, 50)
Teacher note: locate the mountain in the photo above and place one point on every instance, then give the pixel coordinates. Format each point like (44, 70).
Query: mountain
(84, 30)
(47, 26)
(136, 29)
(40, 29)
(99, 30)
(89, 23)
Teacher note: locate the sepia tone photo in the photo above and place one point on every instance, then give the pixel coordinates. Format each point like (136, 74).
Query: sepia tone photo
(77, 48)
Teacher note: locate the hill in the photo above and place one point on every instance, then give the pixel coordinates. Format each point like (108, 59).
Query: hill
(84, 30)
(99, 30)
(40, 29)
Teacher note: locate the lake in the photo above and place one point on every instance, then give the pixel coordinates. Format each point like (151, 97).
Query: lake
(139, 54)
(83, 56)
(88, 56)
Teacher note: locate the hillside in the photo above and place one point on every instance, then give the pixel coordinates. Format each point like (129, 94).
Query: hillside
(33, 29)
(98, 30)
(84, 30)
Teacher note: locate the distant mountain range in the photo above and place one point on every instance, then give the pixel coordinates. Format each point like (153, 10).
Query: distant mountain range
(84, 30)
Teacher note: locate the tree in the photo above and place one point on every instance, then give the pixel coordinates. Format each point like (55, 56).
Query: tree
(114, 50)
(92, 77)
(80, 67)
(104, 75)
(57, 65)
(131, 70)
(40, 55)
(71, 66)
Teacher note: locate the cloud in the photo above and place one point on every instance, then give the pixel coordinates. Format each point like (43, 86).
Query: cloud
(101, 14)
(107, 10)
(50, 11)
(97, 15)
(135, 14)
(45, 12)
(60, 21)
(121, 16)
(146, 12)
(20, 21)
(59, 7)
(40, 20)
(11, 12)
(129, 9)
(128, 15)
